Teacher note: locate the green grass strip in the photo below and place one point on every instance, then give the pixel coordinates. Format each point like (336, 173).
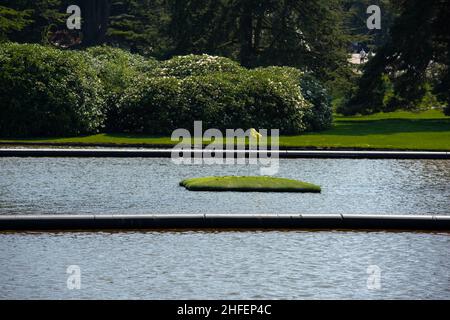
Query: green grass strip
(429, 130)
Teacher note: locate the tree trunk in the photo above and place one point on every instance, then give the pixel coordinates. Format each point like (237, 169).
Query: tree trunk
(95, 17)
(246, 34)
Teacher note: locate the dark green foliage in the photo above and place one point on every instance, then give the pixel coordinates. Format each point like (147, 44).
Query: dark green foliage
(274, 100)
(12, 20)
(320, 116)
(117, 69)
(47, 18)
(356, 21)
(308, 34)
(198, 65)
(382, 97)
(139, 25)
(151, 105)
(35, 19)
(45, 91)
(260, 98)
(419, 40)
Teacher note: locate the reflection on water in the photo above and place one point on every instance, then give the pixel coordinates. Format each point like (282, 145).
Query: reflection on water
(225, 265)
(77, 186)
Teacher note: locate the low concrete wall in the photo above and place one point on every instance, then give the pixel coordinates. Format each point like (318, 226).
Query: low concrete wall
(220, 221)
(166, 153)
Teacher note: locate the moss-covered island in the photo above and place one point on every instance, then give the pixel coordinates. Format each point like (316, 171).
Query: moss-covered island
(248, 184)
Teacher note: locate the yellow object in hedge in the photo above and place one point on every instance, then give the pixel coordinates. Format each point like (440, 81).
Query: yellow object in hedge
(255, 134)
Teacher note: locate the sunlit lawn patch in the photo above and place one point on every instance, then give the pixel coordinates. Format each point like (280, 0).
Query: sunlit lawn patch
(248, 184)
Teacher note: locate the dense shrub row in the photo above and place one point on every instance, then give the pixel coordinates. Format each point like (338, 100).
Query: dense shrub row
(198, 65)
(255, 98)
(46, 91)
(117, 69)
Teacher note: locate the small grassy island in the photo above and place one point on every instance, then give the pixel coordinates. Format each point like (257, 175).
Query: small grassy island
(248, 184)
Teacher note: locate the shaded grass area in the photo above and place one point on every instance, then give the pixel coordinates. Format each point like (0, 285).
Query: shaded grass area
(248, 184)
(428, 130)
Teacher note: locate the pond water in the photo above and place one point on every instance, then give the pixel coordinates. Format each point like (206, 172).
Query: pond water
(226, 265)
(139, 186)
(223, 265)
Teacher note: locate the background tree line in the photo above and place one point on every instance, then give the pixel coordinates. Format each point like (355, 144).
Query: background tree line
(312, 35)
(412, 65)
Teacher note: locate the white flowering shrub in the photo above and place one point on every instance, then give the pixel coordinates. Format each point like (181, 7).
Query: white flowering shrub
(197, 65)
(320, 114)
(46, 91)
(247, 99)
(117, 69)
(274, 100)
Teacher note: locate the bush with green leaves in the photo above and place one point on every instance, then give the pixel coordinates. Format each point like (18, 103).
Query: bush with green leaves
(273, 99)
(46, 91)
(158, 105)
(117, 69)
(320, 116)
(385, 98)
(151, 105)
(198, 65)
(246, 99)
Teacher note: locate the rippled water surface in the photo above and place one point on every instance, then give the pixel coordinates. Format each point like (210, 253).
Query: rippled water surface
(223, 265)
(135, 186)
(226, 265)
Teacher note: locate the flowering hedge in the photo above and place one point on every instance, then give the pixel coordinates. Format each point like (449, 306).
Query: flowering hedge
(197, 65)
(117, 69)
(46, 91)
(250, 98)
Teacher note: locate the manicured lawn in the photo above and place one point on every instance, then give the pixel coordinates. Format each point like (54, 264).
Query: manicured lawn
(248, 184)
(428, 130)
(398, 130)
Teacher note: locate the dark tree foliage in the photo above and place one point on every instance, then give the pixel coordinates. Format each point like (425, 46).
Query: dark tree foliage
(356, 21)
(308, 34)
(37, 21)
(34, 19)
(312, 35)
(12, 20)
(140, 26)
(416, 54)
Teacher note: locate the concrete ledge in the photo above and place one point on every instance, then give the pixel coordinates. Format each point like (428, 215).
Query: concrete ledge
(220, 221)
(166, 153)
